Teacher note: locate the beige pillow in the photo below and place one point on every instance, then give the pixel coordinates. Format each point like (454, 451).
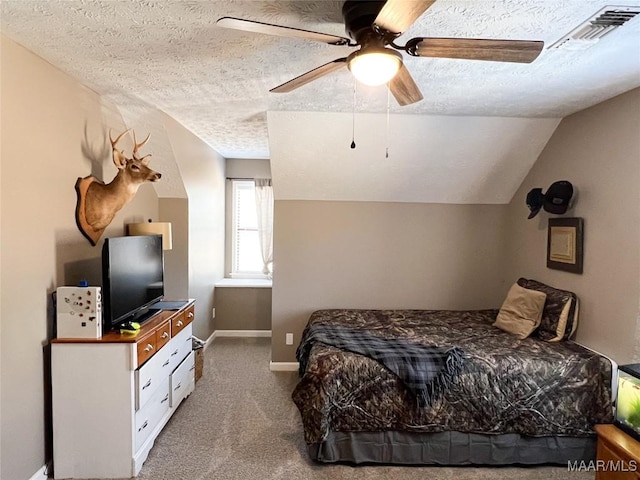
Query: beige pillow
(521, 311)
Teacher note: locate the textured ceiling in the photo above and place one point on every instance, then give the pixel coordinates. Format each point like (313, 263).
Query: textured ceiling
(169, 55)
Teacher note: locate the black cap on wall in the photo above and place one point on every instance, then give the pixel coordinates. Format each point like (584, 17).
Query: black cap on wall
(557, 198)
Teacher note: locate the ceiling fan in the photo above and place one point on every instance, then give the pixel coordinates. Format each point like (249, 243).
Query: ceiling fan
(374, 26)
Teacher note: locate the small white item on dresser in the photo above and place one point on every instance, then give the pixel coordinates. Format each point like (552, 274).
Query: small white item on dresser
(79, 312)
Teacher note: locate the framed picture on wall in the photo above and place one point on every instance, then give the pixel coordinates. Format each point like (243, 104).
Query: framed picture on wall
(564, 244)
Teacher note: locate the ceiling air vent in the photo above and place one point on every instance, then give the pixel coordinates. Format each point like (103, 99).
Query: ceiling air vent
(594, 28)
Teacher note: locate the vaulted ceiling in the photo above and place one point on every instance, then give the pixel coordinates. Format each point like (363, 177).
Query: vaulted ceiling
(170, 56)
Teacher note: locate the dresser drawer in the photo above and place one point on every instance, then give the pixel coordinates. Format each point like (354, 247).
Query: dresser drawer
(181, 320)
(147, 418)
(180, 347)
(150, 376)
(189, 314)
(615, 467)
(163, 335)
(182, 380)
(146, 347)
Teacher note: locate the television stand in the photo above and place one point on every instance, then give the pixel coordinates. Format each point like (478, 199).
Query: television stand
(112, 396)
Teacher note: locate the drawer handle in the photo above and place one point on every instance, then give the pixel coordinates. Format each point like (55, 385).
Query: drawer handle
(165, 363)
(144, 425)
(190, 314)
(148, 384)
(177, 386)
(174, 353)
(165, 335)
(179, 324)
(148, 348)
(164, 399)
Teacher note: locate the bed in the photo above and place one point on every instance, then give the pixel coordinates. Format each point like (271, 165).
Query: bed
(489, 396)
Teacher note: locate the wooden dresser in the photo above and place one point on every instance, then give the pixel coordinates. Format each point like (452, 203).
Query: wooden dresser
(618, 454)
(112, 396)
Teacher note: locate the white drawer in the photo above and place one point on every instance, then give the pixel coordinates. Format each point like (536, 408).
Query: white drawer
(180, 346)
(147, 417)
(183, 379)
(150, 375)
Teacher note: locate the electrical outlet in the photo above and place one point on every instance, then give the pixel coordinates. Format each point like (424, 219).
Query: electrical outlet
(289, 338)
(213, 313)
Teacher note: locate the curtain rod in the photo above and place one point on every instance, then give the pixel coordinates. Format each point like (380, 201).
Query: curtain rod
(250, 178)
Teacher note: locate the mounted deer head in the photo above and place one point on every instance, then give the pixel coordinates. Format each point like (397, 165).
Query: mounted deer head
(98, 203)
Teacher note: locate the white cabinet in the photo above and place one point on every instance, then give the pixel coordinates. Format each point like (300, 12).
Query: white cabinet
(180, 348)
(150, 375)
(149, 416)
(182, 380)
(111, 398)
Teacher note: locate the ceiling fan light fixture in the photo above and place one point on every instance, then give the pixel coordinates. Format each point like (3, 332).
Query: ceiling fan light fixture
(374, 65)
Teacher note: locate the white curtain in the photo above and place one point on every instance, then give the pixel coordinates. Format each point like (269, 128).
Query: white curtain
(264, 208)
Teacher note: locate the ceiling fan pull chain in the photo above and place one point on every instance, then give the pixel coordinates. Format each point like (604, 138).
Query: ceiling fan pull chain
(388, 108)
(353, 123)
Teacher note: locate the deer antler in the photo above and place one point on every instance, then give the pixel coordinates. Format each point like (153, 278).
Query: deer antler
(115, 142)
(139, 145)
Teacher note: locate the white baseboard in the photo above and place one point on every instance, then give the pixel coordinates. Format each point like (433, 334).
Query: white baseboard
(284, 366)
(242, 333)
(41, 474)
(208, 341)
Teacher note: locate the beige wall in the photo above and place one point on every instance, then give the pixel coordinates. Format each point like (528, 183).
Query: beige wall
(176, 260)
(243, 308)
(382, 255)
(52, 128)
(598, 150)
(203, 173)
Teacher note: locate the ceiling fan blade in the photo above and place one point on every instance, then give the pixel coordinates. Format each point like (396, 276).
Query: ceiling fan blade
(310, 76)
(404, 89)
(269, 29)
(397, 16)
(519, 51)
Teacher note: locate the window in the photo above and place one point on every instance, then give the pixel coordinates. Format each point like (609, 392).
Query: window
(246, 257)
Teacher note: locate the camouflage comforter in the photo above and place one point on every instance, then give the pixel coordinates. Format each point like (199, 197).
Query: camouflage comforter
(506, 385)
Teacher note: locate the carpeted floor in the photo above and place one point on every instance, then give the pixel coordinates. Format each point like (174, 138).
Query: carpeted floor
(240, 424)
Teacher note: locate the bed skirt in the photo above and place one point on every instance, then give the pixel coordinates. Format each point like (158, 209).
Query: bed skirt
(451, 448)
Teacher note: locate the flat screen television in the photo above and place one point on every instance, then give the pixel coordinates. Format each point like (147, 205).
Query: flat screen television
(627, 416)
(132, 279)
